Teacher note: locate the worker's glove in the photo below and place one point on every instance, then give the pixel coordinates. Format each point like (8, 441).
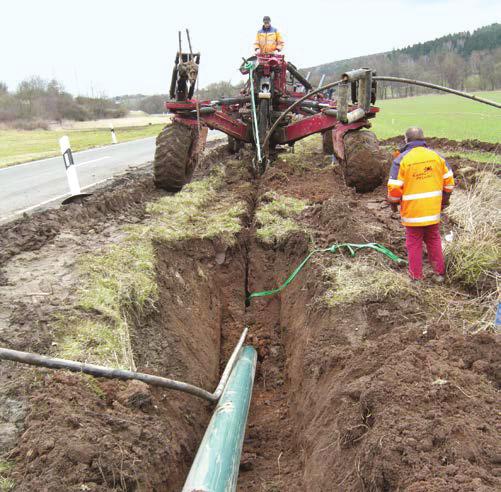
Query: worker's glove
(394, 207)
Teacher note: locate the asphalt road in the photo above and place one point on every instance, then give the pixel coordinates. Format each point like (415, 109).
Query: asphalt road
(42, 184)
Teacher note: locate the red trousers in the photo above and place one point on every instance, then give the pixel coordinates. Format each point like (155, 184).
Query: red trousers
(414, 237)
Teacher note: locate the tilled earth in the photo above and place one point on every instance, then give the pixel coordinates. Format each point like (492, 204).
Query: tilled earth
(380, 395)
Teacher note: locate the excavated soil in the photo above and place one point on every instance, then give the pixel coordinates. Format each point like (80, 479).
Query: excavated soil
(450, 145)
(380, 395)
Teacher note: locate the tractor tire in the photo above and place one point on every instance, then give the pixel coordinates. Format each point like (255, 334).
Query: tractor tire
(172, 168)
(327, 143)
(365, 164)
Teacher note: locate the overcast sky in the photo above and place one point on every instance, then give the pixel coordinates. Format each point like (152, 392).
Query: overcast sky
(128, 46)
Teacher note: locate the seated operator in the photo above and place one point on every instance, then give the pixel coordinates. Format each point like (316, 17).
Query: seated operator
(268, 39)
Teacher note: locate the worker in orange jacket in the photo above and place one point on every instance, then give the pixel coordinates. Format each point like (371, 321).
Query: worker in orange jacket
(421, 181)
(268, 39)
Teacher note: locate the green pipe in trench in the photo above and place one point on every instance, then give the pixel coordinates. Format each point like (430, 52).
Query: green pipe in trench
(216, 464)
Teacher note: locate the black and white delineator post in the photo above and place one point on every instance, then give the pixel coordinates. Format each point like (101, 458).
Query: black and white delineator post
(71, 170)
(113, 134)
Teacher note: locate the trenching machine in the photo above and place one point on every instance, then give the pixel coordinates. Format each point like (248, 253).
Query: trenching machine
(277, 106)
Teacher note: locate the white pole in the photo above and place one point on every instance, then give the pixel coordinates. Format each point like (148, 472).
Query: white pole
(113, 134)
(69, 164)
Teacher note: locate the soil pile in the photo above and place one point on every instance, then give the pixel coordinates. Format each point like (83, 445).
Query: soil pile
(450, 145)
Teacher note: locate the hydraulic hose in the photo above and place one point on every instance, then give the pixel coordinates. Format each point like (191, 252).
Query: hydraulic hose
(438, 88)
(294, 105)
(106, 372)
(379, 77)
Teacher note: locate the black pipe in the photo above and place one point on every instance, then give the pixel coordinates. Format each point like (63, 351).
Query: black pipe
(233, 100)
(297, 75)
(388, 79)
(439, 88)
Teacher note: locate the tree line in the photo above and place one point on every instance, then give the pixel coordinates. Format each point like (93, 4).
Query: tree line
(463, 61)
(36, 101)
(156, 104)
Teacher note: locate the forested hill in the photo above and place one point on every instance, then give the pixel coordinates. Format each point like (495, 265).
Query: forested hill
(465, 60)
(462, 43)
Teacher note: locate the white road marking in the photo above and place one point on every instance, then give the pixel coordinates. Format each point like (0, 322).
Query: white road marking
(93, 160)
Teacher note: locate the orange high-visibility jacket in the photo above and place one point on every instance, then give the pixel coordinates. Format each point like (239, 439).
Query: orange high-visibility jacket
(418, 178)
(269, 40)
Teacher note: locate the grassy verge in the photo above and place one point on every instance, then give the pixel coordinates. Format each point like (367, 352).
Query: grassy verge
(485, 157)
(18, 146)
(474, 253)
(119, 285)
(359, 280)
(446, 116)
(199, 211)
(365, 280)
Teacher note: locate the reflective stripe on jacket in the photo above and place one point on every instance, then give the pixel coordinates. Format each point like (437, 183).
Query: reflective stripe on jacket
(268, 40)
(418, 177)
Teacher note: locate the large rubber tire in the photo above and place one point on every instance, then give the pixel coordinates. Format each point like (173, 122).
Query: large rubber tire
(365, 163)
(172, 166)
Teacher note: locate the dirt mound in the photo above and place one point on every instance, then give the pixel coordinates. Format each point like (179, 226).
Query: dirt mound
(365, 163)
(86, 434)
(122, 200)
(446, 144)
(128, 436)
(403, 405)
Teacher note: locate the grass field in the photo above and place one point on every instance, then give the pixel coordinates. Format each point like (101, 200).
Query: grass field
(446, 116)
(439, 115)
(21, 146)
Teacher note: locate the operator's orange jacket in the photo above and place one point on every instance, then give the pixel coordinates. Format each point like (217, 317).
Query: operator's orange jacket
(418, 178)
(269, 40)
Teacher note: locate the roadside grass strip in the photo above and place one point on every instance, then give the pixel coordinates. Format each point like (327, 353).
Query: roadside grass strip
(119, 284)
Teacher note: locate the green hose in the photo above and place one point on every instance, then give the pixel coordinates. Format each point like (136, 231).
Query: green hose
(352, 249)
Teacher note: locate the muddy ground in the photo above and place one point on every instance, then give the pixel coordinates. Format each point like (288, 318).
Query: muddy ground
(383, 393)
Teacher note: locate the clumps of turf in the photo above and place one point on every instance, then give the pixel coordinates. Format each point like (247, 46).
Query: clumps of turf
(119, 284)
(357, 280)
(6, 483)
(104, 343)
(199, 211)
(276, 217)
(301, 159)
(473, 255)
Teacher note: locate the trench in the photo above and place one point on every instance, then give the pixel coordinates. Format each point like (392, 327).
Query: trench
(200, 315)
(319, 420)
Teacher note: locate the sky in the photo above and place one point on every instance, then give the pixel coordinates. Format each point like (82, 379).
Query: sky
(115, 47)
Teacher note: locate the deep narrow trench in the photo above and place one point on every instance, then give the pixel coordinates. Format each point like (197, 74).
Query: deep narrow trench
(271, 460)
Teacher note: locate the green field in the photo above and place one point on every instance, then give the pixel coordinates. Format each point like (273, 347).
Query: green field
(21, 146)
(446, 116)
(439, 115)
